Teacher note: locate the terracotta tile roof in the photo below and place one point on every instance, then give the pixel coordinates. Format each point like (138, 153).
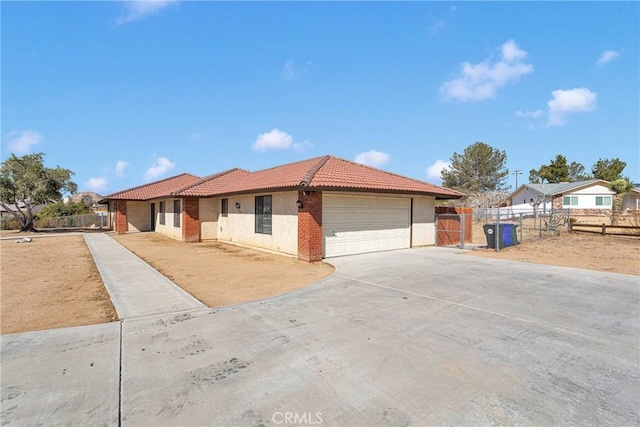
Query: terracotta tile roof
(155, 189)
(326, 172)
(329, 172)
(344, 174)
(210, 185)
(279, 177)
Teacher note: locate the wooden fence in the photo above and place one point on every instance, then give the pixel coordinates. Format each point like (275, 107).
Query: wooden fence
(602, 229)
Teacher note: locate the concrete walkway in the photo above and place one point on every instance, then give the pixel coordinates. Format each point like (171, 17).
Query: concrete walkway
(416, 337)
(136, 289)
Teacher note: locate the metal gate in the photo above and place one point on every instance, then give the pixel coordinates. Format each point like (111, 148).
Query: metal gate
(453, 226)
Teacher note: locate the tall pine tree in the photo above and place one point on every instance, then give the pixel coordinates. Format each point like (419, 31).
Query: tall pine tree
(479, 168)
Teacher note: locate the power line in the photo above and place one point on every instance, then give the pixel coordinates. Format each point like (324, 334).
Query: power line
(516, 173)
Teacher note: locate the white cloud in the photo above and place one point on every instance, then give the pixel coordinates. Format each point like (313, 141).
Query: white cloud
(291, 72)
(22, 141)
(481, 81)
(530, 114)
(273, 140)
(196, 136)
(301, 147)
(136, 10)
(434, 172)
(160, 166)
(436, 27)
(570, 101)
(564, 102)
(97, 184)
(120, 167)
(372, 158)
(607, 56)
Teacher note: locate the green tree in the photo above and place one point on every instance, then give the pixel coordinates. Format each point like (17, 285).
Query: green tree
(534, 176)
(479, 168)
(620, 186)
(25, 183)
(608, 169)
(558, 170)
(64, 209)
(576, 172)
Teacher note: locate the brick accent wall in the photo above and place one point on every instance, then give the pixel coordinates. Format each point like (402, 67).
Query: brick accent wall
(310, 227)
(190, 220)
(121, 217)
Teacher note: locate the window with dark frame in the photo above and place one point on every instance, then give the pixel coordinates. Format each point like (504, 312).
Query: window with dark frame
(263, 214)
(225, 207)
(603, 200)
(176, 213)
(161, 213)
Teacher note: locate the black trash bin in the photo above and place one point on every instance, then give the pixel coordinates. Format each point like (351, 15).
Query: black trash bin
(490, 234)
(507, 235)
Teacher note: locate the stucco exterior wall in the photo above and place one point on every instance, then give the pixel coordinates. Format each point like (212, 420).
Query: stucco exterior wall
(423, 228)
(209, 211)
(167, 228)
(112, 214)
(138, 216)
(239, 226)
(631, 201)
(587, 197)
(520, 201)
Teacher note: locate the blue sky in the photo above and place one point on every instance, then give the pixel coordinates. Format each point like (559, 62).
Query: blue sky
(123, 93)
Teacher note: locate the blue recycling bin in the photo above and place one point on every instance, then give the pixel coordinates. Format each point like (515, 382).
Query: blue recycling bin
(506, 235)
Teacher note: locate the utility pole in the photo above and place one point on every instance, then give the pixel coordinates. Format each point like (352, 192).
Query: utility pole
(516, 173)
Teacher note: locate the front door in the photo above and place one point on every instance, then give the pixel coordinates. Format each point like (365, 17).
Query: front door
(153, 217)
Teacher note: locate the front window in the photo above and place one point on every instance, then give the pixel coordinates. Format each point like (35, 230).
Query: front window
(176, 213)
(263, 214)
(570, 201)
(603, 200)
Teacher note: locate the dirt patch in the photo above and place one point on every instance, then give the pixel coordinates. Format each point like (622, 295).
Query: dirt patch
(615, 254)
(221, 274)
(50, 283)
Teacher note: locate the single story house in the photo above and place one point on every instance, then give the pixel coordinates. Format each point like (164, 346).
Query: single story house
(94, 198)
(631, 201)
(6, 215)
(313, 209)
(591, 197)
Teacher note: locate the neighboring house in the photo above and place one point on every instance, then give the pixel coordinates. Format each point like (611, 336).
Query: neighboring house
(592, 197)
(315, 208)
(95, 198)
(631, 201)
(7, 215)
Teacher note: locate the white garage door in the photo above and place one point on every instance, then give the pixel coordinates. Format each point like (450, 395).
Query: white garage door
(354, 225)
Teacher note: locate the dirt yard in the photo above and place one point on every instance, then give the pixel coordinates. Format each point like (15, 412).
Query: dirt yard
(615, 254)
(53, 282)
(50, 283)
(220, 274)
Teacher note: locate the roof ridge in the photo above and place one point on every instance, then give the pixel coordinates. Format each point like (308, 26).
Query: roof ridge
(312, 172)
(207, 178)
(286, 164)
(150, 183)
(395, 174)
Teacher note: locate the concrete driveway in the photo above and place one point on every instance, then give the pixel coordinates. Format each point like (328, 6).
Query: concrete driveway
(415, 337)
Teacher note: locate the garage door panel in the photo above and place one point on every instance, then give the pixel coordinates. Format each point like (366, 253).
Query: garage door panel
(354, 225)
